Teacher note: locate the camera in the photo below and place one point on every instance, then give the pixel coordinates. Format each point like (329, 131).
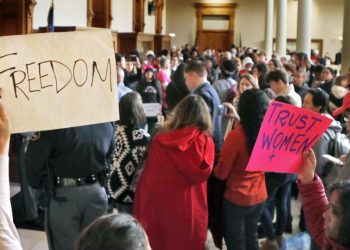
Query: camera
(133, 58)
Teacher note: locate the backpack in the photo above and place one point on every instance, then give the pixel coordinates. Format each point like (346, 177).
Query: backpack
(337, 146)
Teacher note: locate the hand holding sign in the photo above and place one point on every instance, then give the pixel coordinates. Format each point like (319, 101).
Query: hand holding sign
(4, 129)
(286, 132)
(307, 171)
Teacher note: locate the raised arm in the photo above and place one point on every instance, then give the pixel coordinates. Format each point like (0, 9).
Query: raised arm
(9, 238)
(313, 197)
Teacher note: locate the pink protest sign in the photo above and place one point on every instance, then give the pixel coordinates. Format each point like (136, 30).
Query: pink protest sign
(285, 133)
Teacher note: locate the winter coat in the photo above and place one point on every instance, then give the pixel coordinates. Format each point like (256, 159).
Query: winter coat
(321, 146)
(171, 196)
(327, 86)
(177, 89)
(315, 202)
(289, 91)
(243, 188)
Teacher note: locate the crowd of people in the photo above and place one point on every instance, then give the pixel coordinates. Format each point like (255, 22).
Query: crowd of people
(178, 170)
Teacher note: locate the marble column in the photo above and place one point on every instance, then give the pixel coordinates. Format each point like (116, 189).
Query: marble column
(281, 37)
(269, 28)
(304, 26)
(345, 54)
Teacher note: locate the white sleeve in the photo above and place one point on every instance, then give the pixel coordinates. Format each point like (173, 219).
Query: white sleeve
(9, 239)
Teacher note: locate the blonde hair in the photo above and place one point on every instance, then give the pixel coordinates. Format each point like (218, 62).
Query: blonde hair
(191, 111)
(250, 78)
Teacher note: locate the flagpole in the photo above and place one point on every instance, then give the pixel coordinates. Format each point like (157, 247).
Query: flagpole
(50, 18)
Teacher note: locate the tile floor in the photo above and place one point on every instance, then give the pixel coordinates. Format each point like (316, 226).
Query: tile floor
(36, 240)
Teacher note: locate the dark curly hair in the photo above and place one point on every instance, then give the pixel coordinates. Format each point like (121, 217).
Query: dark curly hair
(343, 188)
(252, 107)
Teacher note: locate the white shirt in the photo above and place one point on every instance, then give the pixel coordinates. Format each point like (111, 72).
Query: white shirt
(122, 90)
(9, 239)
(289, 91)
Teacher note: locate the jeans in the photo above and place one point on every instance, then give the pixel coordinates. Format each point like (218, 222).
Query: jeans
(240, 225)
(278, 190)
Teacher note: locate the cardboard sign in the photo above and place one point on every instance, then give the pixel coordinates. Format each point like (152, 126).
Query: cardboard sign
(152, 109)
(58, 80)
(286, 132)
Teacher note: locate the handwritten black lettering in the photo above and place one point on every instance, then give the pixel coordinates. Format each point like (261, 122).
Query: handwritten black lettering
(15, 83)
(60, 74)
(59, 89)
(86, 71)
(12, 68)
(42, 76)
(30, 79)
(95, 68)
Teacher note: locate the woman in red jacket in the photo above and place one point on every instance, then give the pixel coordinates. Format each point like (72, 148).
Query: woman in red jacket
(245, 192)
(171, 197)
(328, 221)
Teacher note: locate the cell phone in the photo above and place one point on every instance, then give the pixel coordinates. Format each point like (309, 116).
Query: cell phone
(133, 58)
(222, 109)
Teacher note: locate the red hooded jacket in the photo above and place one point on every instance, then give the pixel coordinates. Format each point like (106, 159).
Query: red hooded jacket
(171, 196)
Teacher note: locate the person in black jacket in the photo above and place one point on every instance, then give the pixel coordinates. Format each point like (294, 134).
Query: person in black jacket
(177, 89)
(150, 91)
(132, 71)
(128, 154)
(300, 85)
(327, 77)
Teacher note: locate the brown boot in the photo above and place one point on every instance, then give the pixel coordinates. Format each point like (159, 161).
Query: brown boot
(270, 245)
(279, 240)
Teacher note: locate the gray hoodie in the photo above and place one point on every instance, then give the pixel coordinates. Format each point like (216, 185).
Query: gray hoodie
(321, 146)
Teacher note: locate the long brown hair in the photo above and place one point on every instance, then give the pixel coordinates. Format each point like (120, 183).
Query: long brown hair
(131, 111)
(192, 110)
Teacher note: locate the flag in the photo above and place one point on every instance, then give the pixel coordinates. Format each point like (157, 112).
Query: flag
(50, 24)
(240, 39)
